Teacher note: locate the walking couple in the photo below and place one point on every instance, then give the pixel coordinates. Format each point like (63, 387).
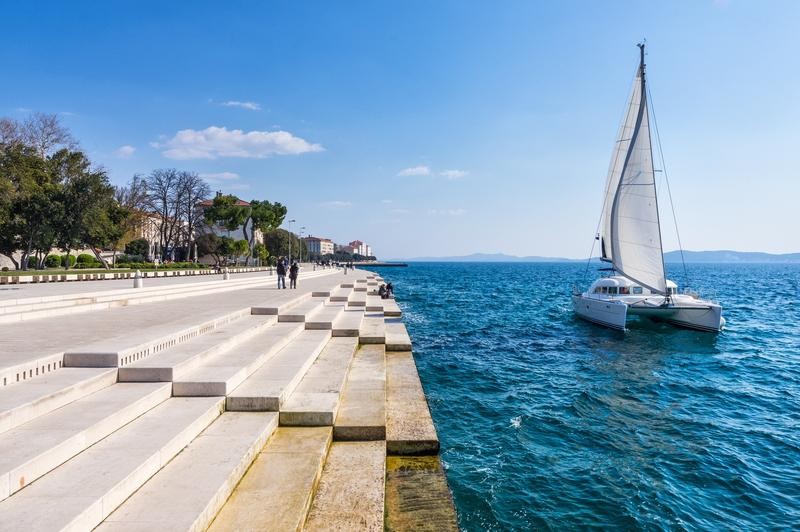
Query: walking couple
(294, 269)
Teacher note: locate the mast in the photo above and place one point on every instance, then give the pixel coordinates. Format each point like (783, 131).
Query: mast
(634, 222)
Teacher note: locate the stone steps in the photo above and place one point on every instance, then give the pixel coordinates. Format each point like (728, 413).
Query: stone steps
(224, 372)
(280, 302)
(174, 361)
(373, 329)
(362, 411)
(82, 492)
(315, 401)
(303, 310)
(417, 496)
(374, 303)
(129, 348)
(348, 323)
(30, 399)
(397, 338)
(189, 491)
(357, 299)
(350, 494)
(391, 308)
(341, 294)
(31, 450)
(409, 426)
(276, 492)
(276, 379)
(325, 317)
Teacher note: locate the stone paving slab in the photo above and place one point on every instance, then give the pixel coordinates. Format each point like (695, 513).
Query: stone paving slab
(350, 495)
(272, 383)
(341, 294)
(303, 310)
(374, 304)
(315, 401)
(79, 494)
(417, 495)
(326, 316)
(276, 492)
(348, 323)
(189, 491)
(30, 450)
(373, 329)
(223, 373)
(357, 299)
(174, 361)
(28, 400)
(397, 338)
(391, 308)
(362, 412)
(409, 426)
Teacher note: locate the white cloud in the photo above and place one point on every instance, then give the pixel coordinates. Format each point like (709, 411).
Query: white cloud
(125, 152)
(452, 175)
(336, 204)
(399, 211)
(214, 142)
(417, 170)
(252, 106)
(447, 212)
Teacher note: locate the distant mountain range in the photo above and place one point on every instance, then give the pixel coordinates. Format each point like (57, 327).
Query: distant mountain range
(721, 256)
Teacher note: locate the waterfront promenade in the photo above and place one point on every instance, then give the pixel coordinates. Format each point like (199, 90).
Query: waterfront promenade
(200, 402)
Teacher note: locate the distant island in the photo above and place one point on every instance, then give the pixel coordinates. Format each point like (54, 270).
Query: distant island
(719, 256)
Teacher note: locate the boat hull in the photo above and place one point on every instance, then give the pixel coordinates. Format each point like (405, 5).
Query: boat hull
(683, 311)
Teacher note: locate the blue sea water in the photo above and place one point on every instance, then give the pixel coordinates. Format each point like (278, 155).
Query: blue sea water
(549, 422)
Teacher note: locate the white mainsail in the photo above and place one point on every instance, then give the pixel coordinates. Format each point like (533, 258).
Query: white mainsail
(631, 235)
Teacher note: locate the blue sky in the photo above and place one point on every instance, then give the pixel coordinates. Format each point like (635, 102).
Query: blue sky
(430, 128)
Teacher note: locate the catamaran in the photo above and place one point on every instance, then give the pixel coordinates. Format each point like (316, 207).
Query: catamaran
(630, 238)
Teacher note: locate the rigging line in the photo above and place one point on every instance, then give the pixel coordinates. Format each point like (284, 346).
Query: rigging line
(669, 189)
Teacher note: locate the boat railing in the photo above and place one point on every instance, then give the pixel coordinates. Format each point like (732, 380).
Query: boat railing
(710, 295)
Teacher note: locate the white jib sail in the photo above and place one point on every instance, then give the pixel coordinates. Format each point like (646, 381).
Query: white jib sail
(634, 230)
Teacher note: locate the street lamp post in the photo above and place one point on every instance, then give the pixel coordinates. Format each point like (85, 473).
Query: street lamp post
(290, 240)
(300, 251)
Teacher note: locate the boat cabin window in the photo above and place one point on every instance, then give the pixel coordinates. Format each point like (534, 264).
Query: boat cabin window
(637, 290)
(597, 290)
(623, 290)
(605, 289)
(670, 291)
(612, 290)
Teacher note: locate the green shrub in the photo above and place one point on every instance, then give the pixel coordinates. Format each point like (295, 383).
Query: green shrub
(32, 263)
(137, 247)
(72, 260)
(53, 261)
(85, 258)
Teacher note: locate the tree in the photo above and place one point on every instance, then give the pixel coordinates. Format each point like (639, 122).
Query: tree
(133, 198)
(165, 199)
(278, 240)
(45, 133)
(260, 252)
(224, 212)
(265, 217)
(240, 248)
(192, 190)
(140, 246)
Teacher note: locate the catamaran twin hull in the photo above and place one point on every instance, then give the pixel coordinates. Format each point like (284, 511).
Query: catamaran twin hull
(680, 310)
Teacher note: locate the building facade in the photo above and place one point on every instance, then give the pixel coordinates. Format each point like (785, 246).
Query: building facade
(319, 246)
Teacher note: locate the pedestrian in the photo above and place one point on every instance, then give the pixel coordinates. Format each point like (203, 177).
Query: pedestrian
(280, 269)
(293, 271)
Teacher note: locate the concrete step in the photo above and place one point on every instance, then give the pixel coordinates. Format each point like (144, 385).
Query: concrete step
(315, 401)
(82, 492)
(362, 412)
(280, 302)
(276, 379)
(391, 309)
(417, 496)
(30, 399)
(302, 311)
(174, 361)
(374, 304)
(30, 450)
(397, 338)
(341, 294)
(348, 285)
(348, 323)
(350, 495)
(189, 491)
(373, 329)
(409, 427)
(324, 318)
(357, 299)
(130, 347)
(276, 492)
(221, 374)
